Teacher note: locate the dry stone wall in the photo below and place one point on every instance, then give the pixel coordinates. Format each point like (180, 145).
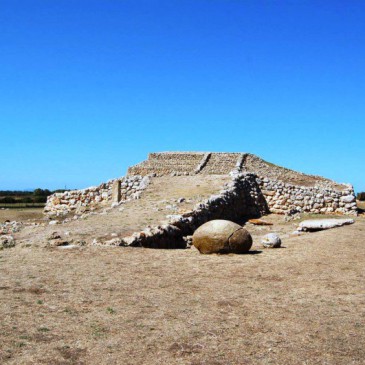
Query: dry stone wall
(284, 198)
(289, 191)
(221, 163)
(75, 201)
(241, 198)
(187, 163)
(285, 190)
(166, 163)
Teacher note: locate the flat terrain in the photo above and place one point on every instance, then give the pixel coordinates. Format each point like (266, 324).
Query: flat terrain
(300, 304)
(21, 214)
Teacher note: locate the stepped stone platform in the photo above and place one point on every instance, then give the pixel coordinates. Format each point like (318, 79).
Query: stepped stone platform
(222, 163)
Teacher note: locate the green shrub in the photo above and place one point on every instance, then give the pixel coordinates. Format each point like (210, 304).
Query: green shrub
(40, 199)
(7, 200)
(361, 196)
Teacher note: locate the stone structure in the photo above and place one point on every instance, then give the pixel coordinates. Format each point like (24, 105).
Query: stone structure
(284, 191)
(241, 199)
(113, 191)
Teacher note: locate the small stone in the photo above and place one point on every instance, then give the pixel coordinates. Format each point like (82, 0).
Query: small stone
(259, 222)
(59, 242)
(348, 199)
(296, 233)
(271, 240)
(54, 236)
(6, 241)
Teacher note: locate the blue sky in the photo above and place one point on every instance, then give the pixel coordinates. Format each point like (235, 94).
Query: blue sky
(88, 88)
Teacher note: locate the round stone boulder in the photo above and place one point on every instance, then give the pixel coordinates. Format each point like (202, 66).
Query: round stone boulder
(271, 240)
(221, 236)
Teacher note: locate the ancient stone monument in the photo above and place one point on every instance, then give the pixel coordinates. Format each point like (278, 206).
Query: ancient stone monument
(283, 189)
(256, 188)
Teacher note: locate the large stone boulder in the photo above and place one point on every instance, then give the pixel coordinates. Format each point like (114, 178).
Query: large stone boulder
(221, 236)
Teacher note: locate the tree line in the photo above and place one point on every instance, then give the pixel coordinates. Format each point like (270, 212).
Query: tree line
(25, 197)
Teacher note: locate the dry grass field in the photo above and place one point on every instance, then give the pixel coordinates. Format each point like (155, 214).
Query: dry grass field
(21, 214)
(300, 304)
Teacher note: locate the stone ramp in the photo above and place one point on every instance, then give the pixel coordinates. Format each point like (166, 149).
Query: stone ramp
(220, 163)
(265, 169)
(159, 200)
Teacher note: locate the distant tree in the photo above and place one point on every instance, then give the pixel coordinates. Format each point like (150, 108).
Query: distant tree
(41, 192)
(40, 199)
(361, 196)
(13, 193)
(7, 200)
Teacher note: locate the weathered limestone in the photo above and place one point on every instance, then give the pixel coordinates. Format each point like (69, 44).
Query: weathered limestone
(241, 199)
(222, 236)
(271, 240)
(114, 191)
(285, 191)
(283, 197)
(166, 163)
(320, 224)
(203, 162)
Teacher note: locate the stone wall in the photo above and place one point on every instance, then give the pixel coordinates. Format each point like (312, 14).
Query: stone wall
(241, 199)
(285, 198)
(75, 201)
(187, 163)
(166, 163)
(285, 190)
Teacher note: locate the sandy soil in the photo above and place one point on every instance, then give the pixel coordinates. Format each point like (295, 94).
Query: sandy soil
(300, 304)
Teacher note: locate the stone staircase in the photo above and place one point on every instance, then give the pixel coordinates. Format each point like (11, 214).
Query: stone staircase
(221, 163)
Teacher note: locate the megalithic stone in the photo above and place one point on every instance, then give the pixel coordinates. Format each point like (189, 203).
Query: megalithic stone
(116, 192)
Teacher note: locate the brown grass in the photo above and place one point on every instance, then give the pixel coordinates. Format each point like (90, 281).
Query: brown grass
(21, 214)
(301, 304)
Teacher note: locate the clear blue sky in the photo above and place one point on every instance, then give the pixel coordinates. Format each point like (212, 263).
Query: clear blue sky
(90, 87)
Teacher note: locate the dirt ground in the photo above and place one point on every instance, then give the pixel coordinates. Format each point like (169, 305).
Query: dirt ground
(300, 304)
(158, 201)
(21, 214)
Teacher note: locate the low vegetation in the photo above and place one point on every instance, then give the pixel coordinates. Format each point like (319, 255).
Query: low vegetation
(25, 199)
